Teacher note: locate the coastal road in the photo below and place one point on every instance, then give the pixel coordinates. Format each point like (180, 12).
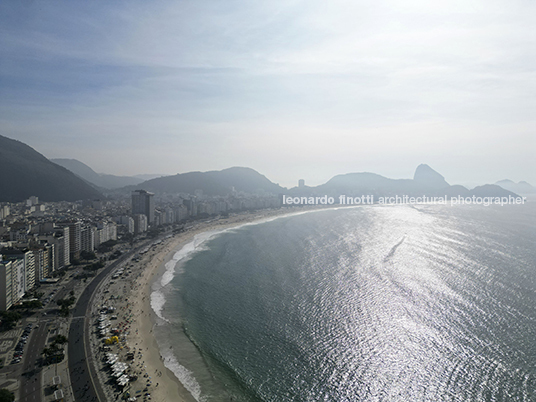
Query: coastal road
(84, 380)
(30, 383)
(31, 378)
(83, 385)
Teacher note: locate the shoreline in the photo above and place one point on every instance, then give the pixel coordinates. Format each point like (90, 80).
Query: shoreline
(169, 386)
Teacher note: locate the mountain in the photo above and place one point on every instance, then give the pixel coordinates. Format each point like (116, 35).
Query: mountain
(25, 172)
(145, 177)
(428, 177)
(521, 188)
(426, 181)
(106, 181)
(213, 183)
(363, 183)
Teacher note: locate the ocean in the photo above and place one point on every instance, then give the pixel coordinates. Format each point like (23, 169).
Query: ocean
(373, 303)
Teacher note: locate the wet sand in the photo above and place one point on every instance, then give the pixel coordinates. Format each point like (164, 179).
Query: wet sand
(141, 334)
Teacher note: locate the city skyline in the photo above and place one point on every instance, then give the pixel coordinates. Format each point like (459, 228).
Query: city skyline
(294, 90)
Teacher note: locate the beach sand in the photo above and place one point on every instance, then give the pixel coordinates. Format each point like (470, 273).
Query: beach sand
(141, 334)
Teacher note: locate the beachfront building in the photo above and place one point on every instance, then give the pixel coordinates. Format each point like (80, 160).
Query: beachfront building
(105, 231)
(75, 228)
(168, 216)
(143, 203)
(18, 280)
(6, 300)
(59, 240)
(44, 258)
(181, 212)
(127, 222)
(87, 239)
(140, 223)
(29, 270)
(24, 266)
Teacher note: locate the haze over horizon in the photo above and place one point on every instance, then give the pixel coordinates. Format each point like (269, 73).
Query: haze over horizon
(292, 89)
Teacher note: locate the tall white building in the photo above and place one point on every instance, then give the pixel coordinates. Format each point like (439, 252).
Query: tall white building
(128, 222)
(140, 223)
(18, 280)
(29, 271)
(105, 231)
(87, 239)
(6, 285)
(4, 211)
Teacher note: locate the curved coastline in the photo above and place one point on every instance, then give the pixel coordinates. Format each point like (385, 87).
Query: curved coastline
(174, 381)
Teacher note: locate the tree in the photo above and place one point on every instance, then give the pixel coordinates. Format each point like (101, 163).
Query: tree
(6, 395)
(47, 352)
(65, 304)
(61, 339)
(9, 319)
(87, 255)
(32, 304)
(54, 353)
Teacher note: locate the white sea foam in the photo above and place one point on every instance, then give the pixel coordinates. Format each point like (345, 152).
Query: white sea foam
(158, 300)
(184, 375)
(157, 303)
(186, 252)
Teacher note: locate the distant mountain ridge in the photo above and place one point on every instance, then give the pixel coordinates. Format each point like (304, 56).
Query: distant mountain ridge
(214, 183)
(521, 188)
(148, 176)
(25, 172)
(426, 181)
(106, 181)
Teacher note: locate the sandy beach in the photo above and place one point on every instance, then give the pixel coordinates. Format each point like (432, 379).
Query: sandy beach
(129, 296)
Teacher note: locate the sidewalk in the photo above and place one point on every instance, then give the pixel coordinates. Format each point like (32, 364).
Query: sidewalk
(60, 370)
(56, 377)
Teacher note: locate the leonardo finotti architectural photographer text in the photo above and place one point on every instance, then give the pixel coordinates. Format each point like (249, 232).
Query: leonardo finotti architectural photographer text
(404, 199)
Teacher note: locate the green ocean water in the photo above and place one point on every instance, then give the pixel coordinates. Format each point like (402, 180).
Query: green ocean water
(400, 303)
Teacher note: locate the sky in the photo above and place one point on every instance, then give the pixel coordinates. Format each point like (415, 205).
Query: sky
(293, 89)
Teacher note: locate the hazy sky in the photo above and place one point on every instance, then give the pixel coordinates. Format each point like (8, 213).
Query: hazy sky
(294, 89)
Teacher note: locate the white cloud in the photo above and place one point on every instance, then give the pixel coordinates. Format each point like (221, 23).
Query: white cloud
(322, 86)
